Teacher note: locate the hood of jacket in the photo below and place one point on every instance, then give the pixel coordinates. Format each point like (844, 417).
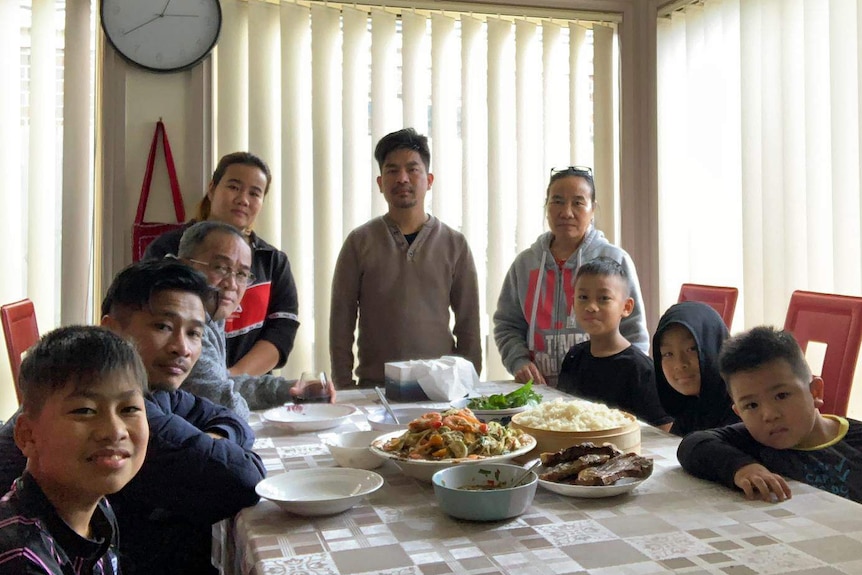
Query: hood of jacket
(712, 407)
(591, 243)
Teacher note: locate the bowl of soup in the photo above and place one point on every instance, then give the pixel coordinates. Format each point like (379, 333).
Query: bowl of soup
(484, 492)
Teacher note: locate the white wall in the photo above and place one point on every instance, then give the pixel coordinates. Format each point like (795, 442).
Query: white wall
(132, 101)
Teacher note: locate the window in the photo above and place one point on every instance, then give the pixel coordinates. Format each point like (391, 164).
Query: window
(501, 97)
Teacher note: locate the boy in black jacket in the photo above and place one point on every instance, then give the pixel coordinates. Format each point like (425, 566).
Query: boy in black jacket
(782, 433)
(83, 428)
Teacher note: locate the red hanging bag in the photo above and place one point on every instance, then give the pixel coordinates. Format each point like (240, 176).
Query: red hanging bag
(143, 233)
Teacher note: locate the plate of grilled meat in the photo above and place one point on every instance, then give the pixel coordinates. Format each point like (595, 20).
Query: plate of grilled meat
(591, 471)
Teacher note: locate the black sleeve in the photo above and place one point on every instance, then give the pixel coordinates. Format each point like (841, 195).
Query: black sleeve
(644, 396)
(717, 454)
(167, 243)
(211, 417)
(567, 380)
(190, 473)
(282, 317)
(12, 461)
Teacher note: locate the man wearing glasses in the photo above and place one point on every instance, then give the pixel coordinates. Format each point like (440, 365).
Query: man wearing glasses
(401, 273)
(221, 252)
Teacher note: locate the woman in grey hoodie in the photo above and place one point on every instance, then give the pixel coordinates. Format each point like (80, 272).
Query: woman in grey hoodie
(534, 325)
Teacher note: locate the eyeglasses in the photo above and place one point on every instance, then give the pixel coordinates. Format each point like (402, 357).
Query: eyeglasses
(582, 171)
(242, 277)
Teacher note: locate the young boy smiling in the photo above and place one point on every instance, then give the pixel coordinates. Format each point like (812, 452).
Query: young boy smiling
(83, 428)
(782, 434)
(606, 368)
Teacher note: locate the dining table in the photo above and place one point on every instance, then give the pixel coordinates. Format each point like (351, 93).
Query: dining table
(670, 523)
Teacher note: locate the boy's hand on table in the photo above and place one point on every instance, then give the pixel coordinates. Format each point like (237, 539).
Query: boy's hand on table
(759, 483)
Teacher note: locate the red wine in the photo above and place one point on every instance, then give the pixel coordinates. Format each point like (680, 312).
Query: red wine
(314, 392)
(312, 399)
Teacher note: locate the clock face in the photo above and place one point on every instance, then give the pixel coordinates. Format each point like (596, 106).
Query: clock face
(162, 35)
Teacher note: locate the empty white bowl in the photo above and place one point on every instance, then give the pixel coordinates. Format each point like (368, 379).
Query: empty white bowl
(496, 504)
(320, 490)
(352, 449)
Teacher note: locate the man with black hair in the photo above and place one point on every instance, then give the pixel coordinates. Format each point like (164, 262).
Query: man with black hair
(401, 273)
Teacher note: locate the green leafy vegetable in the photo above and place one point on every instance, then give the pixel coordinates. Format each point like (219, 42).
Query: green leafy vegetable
(522, 396)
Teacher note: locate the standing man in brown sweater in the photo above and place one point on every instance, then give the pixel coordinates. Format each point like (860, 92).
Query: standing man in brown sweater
(401, 273)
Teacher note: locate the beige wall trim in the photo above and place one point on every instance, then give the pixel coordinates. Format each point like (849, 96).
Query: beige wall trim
(111, 145)
(552, 10)
(665, 9)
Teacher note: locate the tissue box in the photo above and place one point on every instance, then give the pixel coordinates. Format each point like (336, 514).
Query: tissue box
(402, 383)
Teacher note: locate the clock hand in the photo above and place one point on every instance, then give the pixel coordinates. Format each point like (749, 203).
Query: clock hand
(153, 19)
(165, 8)
(184, 15)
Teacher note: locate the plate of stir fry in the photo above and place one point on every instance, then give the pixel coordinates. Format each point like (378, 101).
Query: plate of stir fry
(456, 436)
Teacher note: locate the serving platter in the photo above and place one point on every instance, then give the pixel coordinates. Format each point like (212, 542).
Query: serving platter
(425, 469)
(309, 416)
(624, 485)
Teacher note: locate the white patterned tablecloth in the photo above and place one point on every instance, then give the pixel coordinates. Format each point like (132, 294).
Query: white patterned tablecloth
(672, 523)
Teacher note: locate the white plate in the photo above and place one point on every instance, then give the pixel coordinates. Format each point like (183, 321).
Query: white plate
(489, 413)
(422, 469)
(382, 421)
(320, 490)
(624, 485)
(309, 416)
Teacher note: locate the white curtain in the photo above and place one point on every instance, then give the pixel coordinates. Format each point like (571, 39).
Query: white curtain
(759, 150)
(46, 154)
(492, 93)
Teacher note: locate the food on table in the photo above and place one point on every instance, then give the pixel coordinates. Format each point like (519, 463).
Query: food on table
(454, 433)
(490, 482)
(522, 396)
(589, 464)
(573, 415)
(574, 452)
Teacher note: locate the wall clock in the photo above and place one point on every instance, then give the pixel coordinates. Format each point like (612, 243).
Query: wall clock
(162, 35)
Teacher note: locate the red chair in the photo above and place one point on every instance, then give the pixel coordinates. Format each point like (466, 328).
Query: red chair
(835, 320)
(721, 299)
(21, 331)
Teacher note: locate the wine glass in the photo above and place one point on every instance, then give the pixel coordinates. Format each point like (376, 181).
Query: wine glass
(312, 387)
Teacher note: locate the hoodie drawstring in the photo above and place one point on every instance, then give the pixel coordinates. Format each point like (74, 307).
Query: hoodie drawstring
(531, 331)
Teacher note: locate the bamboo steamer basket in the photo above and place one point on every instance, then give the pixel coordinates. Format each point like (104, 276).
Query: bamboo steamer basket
(626, 438)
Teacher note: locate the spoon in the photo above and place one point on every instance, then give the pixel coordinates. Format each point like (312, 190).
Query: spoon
(386, 405)
(526, 473)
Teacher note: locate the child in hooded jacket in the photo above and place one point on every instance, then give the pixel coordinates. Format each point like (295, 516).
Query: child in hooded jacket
(685, 353)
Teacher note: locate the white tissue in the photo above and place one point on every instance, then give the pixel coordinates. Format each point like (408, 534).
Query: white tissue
(447, 378)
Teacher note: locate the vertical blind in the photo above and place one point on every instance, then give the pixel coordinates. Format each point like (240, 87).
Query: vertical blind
(46, 154)
(759, 150)
(501, 99)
